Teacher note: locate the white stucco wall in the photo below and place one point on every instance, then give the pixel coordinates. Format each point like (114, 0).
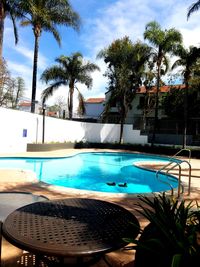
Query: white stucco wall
(14, 123)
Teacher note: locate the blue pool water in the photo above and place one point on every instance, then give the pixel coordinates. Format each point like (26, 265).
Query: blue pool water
(92, 171)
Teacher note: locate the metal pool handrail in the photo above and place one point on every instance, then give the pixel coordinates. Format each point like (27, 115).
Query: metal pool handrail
(179, 172)
(183, 149)
(161, 171)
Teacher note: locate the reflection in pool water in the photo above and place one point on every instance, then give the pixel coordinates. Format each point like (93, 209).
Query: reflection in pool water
(94, 171)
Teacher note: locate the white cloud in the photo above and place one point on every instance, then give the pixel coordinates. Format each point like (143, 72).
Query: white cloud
(24, 71)
(8, 33)
(115, 20)
(189, 28)
(21, 70)
(129, 18)
(98, 81)
(61, 91)
(191, 37)
(24, 51)
(20, 62)
(27, 53)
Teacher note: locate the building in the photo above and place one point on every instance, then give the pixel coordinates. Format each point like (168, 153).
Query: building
(142, 117)
(139, 110)
(26, 106)
(54, 114)
(94, 108)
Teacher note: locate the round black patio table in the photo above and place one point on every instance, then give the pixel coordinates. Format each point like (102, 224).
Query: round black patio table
(73, 227)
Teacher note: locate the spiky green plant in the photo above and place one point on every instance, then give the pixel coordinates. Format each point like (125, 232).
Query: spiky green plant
(170, 238)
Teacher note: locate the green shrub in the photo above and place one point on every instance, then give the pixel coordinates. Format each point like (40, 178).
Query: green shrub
(171, 239)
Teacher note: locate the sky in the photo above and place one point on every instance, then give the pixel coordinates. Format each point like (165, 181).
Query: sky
(102, 22)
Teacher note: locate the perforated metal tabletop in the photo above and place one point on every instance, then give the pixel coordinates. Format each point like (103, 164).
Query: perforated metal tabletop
(73, 227)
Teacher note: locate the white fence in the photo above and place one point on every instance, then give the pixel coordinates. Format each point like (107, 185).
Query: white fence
(19, 128)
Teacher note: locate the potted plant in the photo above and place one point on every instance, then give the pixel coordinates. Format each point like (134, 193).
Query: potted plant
(172, 237)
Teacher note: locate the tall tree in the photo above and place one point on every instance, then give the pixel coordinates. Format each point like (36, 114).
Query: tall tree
(147, 103)
(11, 89)
(193, 8)
(69, 71)
(164, 41)
(46, 15)
(8, 8)
(5, 83)
(187, 59)
(126, 63)
(59, 106)
(19, 88)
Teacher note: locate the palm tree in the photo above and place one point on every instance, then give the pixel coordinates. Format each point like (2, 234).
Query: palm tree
(46, 15)
(164, 42)
(193, 8)
(71, 70)
(8, 8)
(187, 59)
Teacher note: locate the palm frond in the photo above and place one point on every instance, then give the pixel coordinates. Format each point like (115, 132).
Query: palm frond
(172, 38)
(177, 63)
(187, 59)
(25, 23)
(69, 18)
(90, 67)
(55, 73)
(76, 55)
(193, 8)
(81, 105)
(180, 51)
(46, 93)
(55, 33)
(110, 103)
(165, 64)
(62, 60)
(101, 54)
(85, 79)
(15, 28)
(153, 33)
(50, 13)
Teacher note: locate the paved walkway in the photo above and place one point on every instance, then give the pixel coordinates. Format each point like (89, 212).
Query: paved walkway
(20, 180)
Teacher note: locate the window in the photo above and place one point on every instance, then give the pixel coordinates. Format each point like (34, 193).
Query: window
(141, 102)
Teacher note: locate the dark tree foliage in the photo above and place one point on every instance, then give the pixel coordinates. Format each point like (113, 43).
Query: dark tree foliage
(125, 66)
(173, 104)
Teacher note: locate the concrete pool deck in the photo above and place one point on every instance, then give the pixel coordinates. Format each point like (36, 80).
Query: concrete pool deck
(20, 180)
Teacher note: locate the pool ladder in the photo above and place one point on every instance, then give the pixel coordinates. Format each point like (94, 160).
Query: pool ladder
(171, 166)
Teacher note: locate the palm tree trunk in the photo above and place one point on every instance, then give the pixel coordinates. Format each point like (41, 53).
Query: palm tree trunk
(70, 100)
(123, 114)
(2, 17)
(121, 130)
(155, 126)
(34, 79)
(17, 97)
(185, 115)
(145, 110)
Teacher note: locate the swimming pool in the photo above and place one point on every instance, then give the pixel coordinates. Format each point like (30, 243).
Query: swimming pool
(95, 171)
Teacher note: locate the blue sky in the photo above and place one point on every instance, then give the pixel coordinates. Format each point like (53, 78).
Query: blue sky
(103, 21)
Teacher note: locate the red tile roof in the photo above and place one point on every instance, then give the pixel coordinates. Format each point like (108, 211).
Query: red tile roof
(52, 113)
(95, 100)
(25, 104)
(163, 89)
